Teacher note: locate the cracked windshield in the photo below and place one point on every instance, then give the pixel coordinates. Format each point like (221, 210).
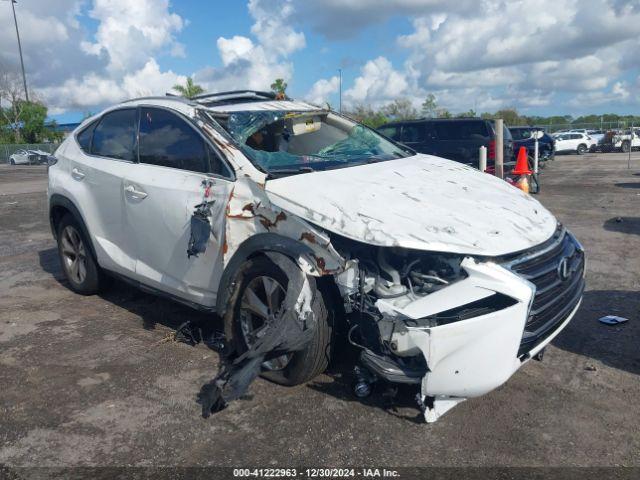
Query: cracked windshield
(296, 142)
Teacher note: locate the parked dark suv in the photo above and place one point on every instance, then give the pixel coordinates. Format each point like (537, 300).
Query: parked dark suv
(523, 137)
(457, 139)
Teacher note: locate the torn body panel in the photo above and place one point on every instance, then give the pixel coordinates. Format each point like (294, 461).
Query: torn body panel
(250, 212)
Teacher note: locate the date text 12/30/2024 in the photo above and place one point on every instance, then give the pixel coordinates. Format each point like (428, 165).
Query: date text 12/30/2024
(286, 473)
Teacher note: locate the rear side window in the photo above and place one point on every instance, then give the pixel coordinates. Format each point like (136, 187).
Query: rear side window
(115, 135)
(391, 131)
(168, 141)
(461, 130)
(84, 137)
(413, 132)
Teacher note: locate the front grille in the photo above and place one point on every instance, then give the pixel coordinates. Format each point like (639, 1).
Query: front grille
(558, 288)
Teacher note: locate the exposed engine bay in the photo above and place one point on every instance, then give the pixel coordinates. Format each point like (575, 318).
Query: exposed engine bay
(376, 281)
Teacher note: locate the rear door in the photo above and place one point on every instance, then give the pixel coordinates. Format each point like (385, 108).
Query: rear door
(105, 153)
(413, 135)
(460, 140)
(161, 193)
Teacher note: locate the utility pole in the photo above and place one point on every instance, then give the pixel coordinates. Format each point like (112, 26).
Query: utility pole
(499, 159)
(340, 94)
(15, 21)
(630, 146)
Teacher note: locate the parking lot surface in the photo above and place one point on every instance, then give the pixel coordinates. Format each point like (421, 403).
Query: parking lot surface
(94, 381)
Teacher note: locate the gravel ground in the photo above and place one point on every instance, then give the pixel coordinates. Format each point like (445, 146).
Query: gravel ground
(91, 380)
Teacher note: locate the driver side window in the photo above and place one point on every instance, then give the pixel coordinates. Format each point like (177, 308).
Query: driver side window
(167, 140)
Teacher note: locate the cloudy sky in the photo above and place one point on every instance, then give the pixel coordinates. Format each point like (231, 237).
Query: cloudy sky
(540, 56)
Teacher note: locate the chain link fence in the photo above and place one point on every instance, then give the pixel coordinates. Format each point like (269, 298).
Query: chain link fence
(604, 126)
(6, 150)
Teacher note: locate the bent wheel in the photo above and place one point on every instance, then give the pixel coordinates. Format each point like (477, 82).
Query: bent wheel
(260, 295)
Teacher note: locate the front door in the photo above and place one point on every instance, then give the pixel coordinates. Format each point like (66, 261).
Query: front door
(161, 193)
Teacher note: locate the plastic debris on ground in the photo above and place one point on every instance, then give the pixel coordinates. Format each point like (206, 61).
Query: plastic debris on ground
(613, 320)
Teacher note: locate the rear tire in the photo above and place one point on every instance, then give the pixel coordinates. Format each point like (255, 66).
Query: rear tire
(582, 149)
(626, 147)
(303, 365)
(12, 162)
(78, 263)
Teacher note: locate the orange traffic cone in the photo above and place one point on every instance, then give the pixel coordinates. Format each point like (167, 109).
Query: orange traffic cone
(522, 164)
(522, 170)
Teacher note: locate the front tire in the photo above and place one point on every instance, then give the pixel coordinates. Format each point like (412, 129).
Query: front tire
(79, 266)
(12, 162)
(626, 147)
(262, 288)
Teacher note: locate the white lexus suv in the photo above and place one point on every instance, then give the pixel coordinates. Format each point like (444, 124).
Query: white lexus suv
(270, 211)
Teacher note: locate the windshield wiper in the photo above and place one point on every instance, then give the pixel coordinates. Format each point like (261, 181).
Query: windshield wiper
(289, 171)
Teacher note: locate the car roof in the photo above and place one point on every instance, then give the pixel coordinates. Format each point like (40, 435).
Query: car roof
(427, 120)
(224, 102)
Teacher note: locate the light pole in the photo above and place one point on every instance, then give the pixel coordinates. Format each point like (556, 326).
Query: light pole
(15, 21)
(340, 94)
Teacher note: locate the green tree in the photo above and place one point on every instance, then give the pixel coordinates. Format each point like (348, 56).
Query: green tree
(368, 116)
(33, 128)
(279, 87)
(400, 109)
(470, 114)
(443, 113)
(429, 106)
(189, 90)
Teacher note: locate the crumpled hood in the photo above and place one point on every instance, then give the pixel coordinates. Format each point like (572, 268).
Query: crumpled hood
(421, 202)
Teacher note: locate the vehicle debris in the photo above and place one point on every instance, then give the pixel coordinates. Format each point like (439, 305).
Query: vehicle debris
(288, 330)
(613, 320)
(200, 224)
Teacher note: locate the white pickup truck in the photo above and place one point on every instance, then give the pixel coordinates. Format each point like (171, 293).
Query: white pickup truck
(627, 140)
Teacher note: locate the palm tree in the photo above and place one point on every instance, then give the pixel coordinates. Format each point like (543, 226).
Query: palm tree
(189, 90)
(278, 87)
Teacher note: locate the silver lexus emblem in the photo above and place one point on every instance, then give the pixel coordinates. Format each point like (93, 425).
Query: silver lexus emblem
(564, 268)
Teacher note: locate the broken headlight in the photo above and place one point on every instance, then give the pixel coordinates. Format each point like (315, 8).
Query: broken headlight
(388, 272)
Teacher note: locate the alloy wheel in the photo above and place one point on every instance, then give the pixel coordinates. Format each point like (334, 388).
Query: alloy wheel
(74, 254)
(261, 304)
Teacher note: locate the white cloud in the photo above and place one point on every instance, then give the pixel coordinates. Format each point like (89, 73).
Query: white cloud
(481, 54)
(271, 26)
(619, 93)
(256, 64)
(69, 71)
(94, 89)
(378, 82)
(322, 90)
(131, 32)
(342, 19)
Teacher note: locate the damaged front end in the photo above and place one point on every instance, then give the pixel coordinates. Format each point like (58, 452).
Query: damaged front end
(450, 324)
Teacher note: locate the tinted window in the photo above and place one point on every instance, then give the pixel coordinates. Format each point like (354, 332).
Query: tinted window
(115, 135)
(168, 141)
(390, 131)
(462, 130)
(521, 133)
(506, 134)
(84, 137)
(413, 132)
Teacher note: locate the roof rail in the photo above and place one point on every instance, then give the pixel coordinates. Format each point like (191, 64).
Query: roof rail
(168, 96)
(235, 96)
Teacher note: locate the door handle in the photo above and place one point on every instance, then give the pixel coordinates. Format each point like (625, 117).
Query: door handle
(133, 193)
(77, 174)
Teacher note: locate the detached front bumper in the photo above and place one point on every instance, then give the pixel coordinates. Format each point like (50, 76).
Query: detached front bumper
(522, 302)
